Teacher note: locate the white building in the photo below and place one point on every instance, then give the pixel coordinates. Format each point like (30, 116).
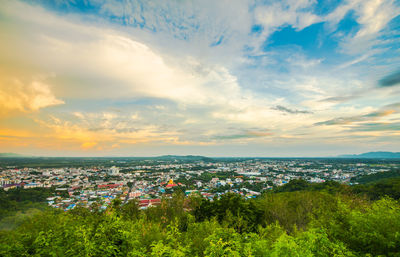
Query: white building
(114, 171)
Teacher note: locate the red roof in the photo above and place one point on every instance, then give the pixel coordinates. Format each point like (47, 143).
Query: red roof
(172, 185)
(150, 201)
(146, 202)
(109, 186)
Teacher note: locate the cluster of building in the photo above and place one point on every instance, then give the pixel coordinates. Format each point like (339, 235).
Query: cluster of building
(98, 186)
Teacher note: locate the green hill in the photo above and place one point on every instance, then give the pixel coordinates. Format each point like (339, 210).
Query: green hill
(373, 155)
(302, 219)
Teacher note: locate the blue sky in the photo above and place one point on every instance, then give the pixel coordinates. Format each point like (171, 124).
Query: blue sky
(216, 78)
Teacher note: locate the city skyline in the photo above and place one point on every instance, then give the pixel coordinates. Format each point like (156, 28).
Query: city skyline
(214, 78)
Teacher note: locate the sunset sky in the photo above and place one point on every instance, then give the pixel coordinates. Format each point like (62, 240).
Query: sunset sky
(207, 77)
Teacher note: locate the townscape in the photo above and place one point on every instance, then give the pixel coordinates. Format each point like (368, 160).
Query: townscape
(200, 128)
(150, 180)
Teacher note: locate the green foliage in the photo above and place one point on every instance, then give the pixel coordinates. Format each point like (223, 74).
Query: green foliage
(302, 185)
(374, 190)
(17, 204)
(379, 189)
(370, 228)
(130, 210)
(294, 185)
(304, 222)
(377, 176)
(232, 210)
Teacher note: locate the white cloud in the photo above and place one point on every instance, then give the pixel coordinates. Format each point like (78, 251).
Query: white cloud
(285, 13)
(96, 63)
(16, 95)
(372, 16)
(196, 90)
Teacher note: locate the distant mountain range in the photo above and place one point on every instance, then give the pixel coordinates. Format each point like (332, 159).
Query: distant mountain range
(11, 155)
(163, 157)
(373, 155)
(183, 157)
(369, 155)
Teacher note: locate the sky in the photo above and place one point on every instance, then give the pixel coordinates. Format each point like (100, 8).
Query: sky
(266, 78)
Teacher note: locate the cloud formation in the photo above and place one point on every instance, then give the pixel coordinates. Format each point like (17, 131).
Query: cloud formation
(15, 95)
(243, 135)
(93, 77)
(291, 111)
(390, 80)
(354, 119)
(377, 126)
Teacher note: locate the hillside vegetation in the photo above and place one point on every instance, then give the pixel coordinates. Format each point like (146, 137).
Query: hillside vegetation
(299, 219)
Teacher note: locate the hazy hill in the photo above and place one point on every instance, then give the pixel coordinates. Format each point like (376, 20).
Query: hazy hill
(373, 155)
(11, 155)
(183, 158)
